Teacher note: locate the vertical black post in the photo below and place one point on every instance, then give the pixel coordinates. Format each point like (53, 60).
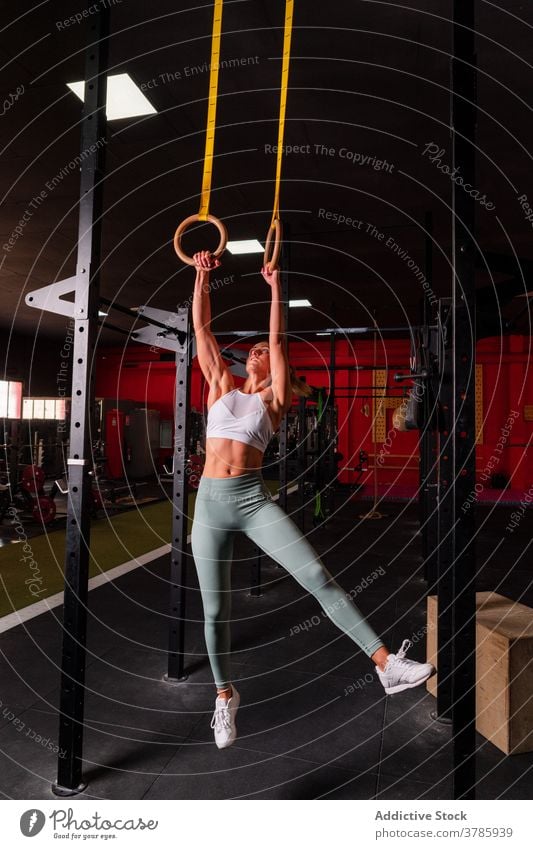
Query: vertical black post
(464, 447)
(180, 511)
(423, 453)
(428, 487)
(69, 779)
(331, 448)
(445, 548)
(457, 601)
(319, 472)
(302, 459)
(332, 367)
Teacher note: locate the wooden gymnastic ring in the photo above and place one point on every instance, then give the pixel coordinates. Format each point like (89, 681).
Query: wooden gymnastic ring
(277, 231)
(192, 219)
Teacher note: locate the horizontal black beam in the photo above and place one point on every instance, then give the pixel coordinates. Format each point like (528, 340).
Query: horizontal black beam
(340, 331)
(117, 329)
(118, 307)
(133, 312)
(389, 367)
(140, 314)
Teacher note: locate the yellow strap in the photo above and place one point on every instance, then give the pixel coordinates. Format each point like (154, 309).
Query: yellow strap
(289, 9)
(211, 112)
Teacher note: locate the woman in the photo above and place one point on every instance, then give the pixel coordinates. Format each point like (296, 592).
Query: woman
(232, 497)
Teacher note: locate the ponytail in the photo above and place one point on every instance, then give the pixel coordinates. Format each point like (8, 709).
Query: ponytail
(299, 387)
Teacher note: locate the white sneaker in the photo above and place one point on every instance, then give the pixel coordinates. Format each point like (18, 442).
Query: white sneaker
(223, 720)
(401, 674)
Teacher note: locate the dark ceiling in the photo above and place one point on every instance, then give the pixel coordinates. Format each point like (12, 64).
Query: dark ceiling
(368, 79)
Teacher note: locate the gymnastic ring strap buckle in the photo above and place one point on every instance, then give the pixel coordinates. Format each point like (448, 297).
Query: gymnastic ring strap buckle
(193, 219)
(274, 235)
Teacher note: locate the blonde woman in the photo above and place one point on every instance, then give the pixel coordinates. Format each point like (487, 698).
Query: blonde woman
(232, 497)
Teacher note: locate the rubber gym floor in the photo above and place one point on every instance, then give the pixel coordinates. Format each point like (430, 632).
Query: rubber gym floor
(313, 723)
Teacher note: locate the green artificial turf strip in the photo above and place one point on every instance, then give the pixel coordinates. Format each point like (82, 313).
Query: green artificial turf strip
(114, 540)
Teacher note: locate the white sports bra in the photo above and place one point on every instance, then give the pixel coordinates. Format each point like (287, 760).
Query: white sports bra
(241, 416)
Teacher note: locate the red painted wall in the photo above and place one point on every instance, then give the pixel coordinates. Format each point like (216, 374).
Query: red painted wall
(507, 389)
(137, 374)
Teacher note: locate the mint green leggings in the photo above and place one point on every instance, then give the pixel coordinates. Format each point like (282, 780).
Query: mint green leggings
(243, 503)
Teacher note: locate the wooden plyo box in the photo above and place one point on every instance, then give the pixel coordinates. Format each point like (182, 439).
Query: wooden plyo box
(504, 674)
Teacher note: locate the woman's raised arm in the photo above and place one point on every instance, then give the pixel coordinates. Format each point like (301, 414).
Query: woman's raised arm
(210, 359)
(277, 342)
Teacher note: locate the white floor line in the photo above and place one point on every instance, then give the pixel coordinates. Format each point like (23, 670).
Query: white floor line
(47, 604)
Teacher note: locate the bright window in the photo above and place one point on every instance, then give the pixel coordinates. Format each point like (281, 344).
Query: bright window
(38, 408)
(10, 399)
(60, 409)
(43, 408)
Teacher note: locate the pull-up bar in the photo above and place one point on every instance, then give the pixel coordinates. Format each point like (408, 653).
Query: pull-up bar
(168, 328)
(348, 331)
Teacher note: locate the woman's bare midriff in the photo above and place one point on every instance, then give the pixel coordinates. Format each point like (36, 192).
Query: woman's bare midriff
(227, 458)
